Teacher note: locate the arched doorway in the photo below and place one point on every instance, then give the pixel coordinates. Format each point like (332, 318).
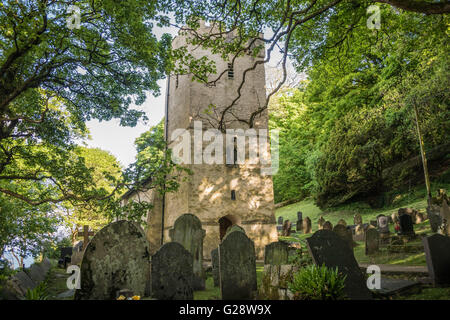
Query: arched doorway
(226, 222)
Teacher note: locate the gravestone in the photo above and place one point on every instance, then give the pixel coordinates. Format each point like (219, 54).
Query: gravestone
(394, 217)
(357, 219)
(373, 223)
(287, 225)
(116, 258)
(383, 224)
(327, 226)
(359, 233)
(215, 266)
(419, 217)
(307, 225)
(172, 273)
(345, 234)
(65, 256)
(437, 253)
(36, 273)
(372, 241)
(187, 231)
(320, 223)
(326, 247)
(276, 253)
(280, 220)
(406, 225)
(299, 216)
(434, 217)
(342, 222)
(237, 267)
(299, 226)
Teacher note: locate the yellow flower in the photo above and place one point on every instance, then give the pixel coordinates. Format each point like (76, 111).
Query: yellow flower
(121, 297)
(136, 297)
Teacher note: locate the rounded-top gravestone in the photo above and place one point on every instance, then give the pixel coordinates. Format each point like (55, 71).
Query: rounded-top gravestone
(172, 273)
(116, 258)
(187, 231)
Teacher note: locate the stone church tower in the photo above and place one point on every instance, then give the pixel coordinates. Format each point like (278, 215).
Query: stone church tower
(220, 195)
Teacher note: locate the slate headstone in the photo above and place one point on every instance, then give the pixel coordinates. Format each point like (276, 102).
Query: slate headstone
(172, 273)
(299, 216)
(406, 225)
(36, 273)
(215, 266)
(116, 258)
(437, 253)
(326, 247)
(187, 231)
(372, 241)
(287, 226)
(276, 253)
(237, 267)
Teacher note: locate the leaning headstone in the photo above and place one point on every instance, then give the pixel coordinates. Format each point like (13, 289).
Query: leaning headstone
(406, 225)
(233, 228)
(344, 233)
(434, 217)
(307, 225)
(116, 258)
(320, 223)
(357, 219)
(287, 225)
(280, 220)
(326, 247)
(276, 253)
(215, 266)
(437, 253)
(187, 231)
(172, 273)
(327, 226)
(372, 241)
(21, 283)
(237, 267)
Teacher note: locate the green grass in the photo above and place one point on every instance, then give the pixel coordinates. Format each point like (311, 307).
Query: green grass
(57, 283)
(427, 294)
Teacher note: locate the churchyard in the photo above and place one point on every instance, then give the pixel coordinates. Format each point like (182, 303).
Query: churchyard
(116, 263)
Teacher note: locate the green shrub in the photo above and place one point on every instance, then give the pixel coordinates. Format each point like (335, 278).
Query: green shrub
(318, 283)
(38, 293)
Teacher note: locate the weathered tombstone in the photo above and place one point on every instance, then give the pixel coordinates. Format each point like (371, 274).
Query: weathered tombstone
(237, 267)
(172, 273)
(326, 247)
(437, 253)
(359, 233)
(276, 253)
(215, 266)
(357, 219)
(307, 225)
(320, 223)
(406, 225)
(342, 222)
(344, 233)
(287, 225)
(434, 217)
(235, 227)
(116, 258)
(187, 231)
(299, 226)
(372, 241)
(383, 224)
(280, 220)
(394, 217)
(327, 226)
(373, 223)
